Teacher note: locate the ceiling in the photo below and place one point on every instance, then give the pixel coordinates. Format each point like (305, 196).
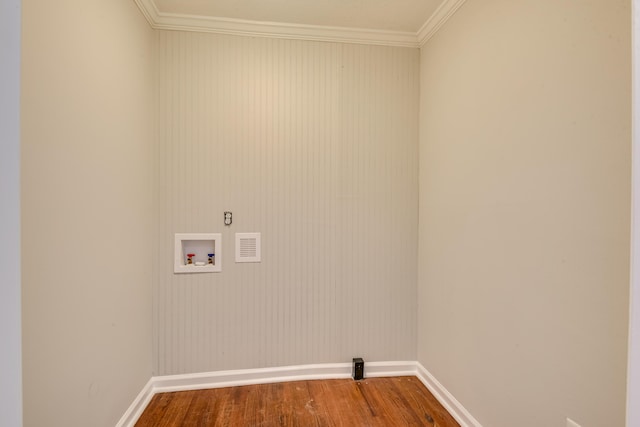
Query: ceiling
(383, 22)
(391, 15)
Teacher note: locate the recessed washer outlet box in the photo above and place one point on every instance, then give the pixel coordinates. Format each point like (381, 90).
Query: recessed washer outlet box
(198, 253)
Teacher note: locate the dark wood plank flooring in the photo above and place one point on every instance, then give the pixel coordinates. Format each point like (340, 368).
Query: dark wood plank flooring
(398, 401)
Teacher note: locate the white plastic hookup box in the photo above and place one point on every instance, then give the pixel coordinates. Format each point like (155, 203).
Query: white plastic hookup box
(198, 253)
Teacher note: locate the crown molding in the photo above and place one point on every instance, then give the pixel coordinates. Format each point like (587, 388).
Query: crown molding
(178, 22)
(149, 10)
(285, 31)
(437, 20)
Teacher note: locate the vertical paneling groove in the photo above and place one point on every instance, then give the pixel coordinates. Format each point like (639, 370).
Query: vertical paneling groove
(315, 146)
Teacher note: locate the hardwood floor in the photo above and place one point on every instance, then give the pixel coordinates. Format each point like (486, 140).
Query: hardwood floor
(375, 402)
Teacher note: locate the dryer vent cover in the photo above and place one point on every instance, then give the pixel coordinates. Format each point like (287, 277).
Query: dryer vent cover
(248, 247)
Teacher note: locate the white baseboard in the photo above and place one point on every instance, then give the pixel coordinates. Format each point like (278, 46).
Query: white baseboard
(446, 399)
(138, 406)
(241, 377)
(169, 383)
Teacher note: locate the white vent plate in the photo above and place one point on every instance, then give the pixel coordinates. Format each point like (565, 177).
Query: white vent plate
(248, 247)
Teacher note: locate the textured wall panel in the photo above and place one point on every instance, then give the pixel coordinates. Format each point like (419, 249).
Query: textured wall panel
(315, 146)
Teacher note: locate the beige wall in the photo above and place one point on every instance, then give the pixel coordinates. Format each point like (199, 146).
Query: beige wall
(524, 210)
(87, 210)
(314, 145)
(633, 362)
(10, 323)
(524, 207)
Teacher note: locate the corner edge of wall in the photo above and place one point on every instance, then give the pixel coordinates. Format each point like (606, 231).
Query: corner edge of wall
(445, 398)
(138, 406)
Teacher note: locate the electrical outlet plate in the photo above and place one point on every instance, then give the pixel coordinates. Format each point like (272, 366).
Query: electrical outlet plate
(571, 423)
